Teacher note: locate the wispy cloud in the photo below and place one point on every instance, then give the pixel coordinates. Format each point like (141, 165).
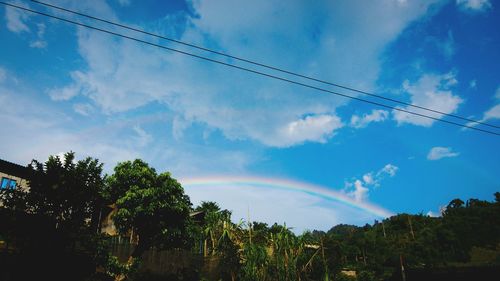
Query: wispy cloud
(359, 189)
(439, 152)
(142, 138)
(68, 92)
(492, 113)
(84, 109)
(39, 43)
(448, 46)
(111, 139)
(16, 19)
(388, 169)
(269, 112)
(376, 115)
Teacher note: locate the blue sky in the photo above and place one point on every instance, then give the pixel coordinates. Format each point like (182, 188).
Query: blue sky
(66, 88)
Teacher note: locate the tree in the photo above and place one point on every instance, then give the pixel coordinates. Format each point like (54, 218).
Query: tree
(455, 203)
(62, 190)
(153, 206)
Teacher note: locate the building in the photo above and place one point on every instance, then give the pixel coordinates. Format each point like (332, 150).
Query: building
(13, 175)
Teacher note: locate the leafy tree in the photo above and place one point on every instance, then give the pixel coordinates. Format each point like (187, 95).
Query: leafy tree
(455, 203)
(152, 206)
(208, 207)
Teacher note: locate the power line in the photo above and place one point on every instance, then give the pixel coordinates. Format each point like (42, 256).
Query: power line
(264, 65)
(245, 69)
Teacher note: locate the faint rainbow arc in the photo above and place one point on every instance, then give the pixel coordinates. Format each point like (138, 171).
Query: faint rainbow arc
(285, 184)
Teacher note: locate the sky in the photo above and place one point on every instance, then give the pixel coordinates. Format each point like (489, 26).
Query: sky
(265, 149)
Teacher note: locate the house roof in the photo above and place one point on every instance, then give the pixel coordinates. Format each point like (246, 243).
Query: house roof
(14, 169)
(197, 216)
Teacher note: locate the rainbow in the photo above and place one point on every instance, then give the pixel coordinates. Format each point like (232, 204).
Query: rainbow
(285, 184)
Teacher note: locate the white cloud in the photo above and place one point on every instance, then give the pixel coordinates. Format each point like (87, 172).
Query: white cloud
(16, 19)
(439, 152)
(360, 192)
(311, 128)
(368, 178)
(42, 128)
(492, 113)
(474, 5)
(377, 115)
(359, 189)
(388, 169)
(53, 133)
(430, 91)
(122, 75)
(110, 140)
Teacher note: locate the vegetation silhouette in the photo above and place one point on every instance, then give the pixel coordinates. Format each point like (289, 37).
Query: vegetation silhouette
(53, 231)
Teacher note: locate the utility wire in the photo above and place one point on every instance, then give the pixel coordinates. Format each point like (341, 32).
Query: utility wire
(245, 69)
(263, 65)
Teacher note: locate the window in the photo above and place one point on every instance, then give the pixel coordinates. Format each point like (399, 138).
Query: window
(5, 182)
(8, 183)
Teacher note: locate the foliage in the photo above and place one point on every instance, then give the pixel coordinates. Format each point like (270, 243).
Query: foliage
(153, 206)
(60, 213)
(375, 252)
(64, 191)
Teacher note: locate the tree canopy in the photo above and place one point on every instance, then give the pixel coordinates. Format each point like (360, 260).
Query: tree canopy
(153, 206)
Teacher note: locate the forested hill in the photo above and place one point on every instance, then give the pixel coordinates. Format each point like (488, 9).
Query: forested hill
(467, 234)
